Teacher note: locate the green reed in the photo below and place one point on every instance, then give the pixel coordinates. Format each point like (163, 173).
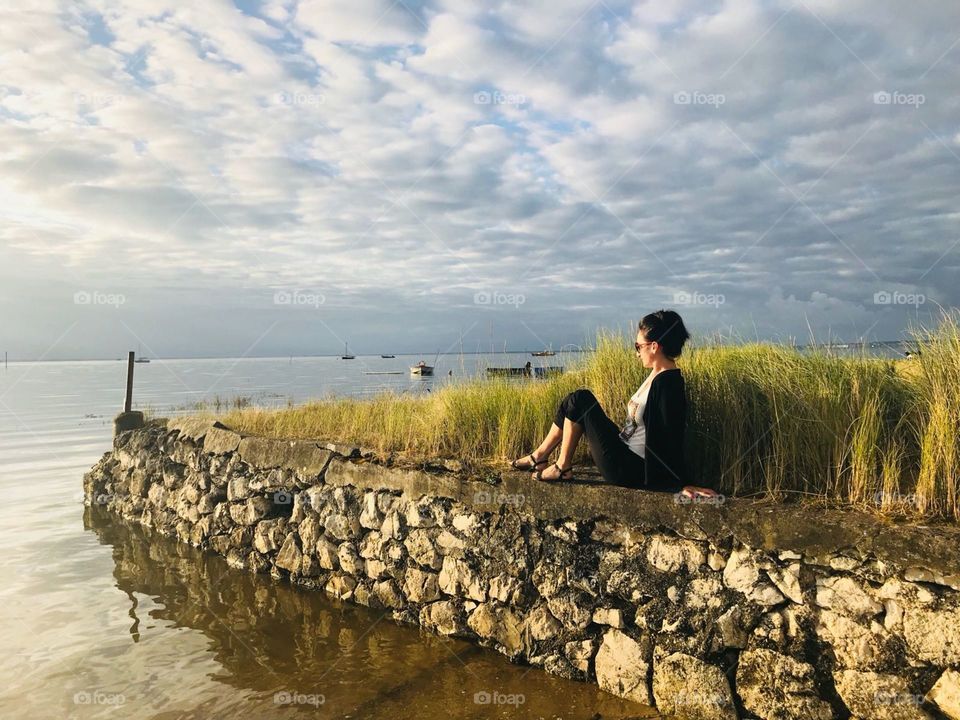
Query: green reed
(764, 419)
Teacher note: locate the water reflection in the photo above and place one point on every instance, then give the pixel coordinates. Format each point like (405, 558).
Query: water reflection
(282, 650)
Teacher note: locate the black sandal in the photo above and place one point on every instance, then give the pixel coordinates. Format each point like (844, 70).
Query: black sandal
(538, 475)
(532, 467)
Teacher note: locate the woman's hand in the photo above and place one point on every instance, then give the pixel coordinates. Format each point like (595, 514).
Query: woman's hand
(693, 492)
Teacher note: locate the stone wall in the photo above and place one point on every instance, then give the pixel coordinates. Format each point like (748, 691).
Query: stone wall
(722, 611)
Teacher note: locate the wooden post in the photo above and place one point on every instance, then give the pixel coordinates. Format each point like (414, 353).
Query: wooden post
(129, 419)
(128, 402)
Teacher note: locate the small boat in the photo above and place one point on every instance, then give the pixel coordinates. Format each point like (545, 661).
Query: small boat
(543, 353)
(142, 360)
(421, 368)
(388, 356)
(346, 353)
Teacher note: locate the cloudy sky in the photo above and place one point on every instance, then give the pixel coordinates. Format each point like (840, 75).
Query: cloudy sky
(278, 177)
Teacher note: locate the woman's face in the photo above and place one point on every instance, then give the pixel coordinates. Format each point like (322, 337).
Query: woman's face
(645, 349)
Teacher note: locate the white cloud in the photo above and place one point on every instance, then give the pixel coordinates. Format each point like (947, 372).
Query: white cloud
(387, 155)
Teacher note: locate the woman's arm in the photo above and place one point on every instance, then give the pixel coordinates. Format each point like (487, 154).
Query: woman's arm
(665, 418)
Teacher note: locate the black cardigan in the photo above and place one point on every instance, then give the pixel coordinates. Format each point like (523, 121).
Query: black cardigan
(665, 417)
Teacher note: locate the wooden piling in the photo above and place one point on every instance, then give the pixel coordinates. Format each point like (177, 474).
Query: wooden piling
(128, 402)
(129, 419)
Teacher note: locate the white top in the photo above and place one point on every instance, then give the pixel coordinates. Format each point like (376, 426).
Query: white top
(634, 432)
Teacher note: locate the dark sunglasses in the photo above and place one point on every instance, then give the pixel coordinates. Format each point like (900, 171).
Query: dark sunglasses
(637, 346)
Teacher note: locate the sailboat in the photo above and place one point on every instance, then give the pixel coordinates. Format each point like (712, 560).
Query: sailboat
(346, 353)
(139, 359)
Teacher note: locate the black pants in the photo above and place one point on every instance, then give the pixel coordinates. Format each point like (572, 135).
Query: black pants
(618, 464)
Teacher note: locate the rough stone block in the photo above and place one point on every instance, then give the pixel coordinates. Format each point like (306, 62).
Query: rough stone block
(945, 694)
(772, 685)
(220, 440)
(688, 687)
(623, 667)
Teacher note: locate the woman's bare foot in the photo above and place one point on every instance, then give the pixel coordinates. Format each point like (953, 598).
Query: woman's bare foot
(554, 473)
(528, 462)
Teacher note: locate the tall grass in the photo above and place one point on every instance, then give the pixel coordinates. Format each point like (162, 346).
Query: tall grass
(763, 419)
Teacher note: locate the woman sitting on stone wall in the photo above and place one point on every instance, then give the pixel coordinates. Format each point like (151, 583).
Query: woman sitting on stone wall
(647, 452)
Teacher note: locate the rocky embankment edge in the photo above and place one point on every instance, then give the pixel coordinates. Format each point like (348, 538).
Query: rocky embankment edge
(737, 610)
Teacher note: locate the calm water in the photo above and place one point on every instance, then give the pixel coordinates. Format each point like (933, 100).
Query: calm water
(99, 620)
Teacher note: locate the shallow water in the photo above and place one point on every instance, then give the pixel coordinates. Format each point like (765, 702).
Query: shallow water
(99, 620)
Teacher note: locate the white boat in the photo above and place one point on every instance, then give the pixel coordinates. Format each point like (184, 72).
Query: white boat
(421, 368)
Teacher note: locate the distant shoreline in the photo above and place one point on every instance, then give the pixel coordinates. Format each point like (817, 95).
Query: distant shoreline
(846, 345)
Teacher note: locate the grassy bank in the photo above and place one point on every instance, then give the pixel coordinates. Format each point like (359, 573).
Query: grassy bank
(764, 419)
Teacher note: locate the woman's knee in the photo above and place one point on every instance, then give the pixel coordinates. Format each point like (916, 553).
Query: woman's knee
(575, 404)
(579, 394)
(582, 398)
